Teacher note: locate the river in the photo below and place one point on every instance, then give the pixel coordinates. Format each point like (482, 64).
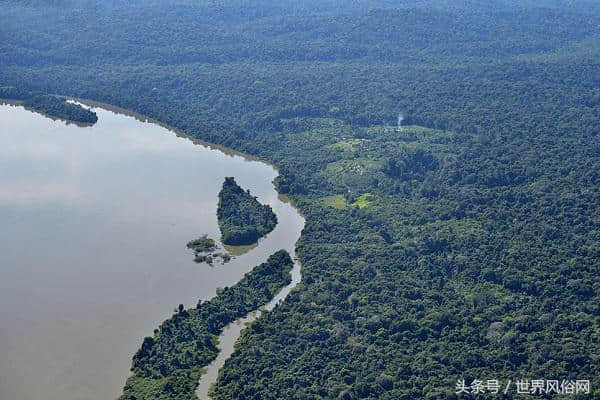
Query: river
(92, 247)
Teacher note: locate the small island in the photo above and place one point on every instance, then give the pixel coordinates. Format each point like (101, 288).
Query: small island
(205, 250)
(52, 106)
(242, 219)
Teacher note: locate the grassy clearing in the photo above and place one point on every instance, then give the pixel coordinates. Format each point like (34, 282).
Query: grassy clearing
(364, 200)
(350, 145)
(336, 201)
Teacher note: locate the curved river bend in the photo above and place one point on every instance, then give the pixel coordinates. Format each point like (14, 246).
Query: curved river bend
(92, 247)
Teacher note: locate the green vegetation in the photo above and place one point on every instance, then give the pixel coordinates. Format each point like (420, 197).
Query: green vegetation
(169, 364)
(340, 202)
(351, 145)
(203, 244)
(205, 251)
(335, 201)
(13, 93)
(51, 106)
(59, 108)
(478, 258)
(242, 219)
(210, 258)
(363, 200)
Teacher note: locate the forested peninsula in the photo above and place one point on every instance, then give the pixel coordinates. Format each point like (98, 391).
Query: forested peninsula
(242, 218)
(52, 106)
(169, 364)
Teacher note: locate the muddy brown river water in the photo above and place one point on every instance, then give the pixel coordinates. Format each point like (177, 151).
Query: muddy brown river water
(94, 223)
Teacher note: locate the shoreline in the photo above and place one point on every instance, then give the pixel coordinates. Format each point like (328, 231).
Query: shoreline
(21, 103)
(178, 132)
(296, 274)
(232, 331)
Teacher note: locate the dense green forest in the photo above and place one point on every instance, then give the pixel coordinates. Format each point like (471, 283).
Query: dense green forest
(168, 365)
(59, 108)
(242, 219)
(464, 246)
(52, 106)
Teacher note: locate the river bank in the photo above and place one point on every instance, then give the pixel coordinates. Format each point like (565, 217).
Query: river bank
(111, 207)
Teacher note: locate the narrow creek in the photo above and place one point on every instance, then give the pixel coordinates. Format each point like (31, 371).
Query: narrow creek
(232, 332)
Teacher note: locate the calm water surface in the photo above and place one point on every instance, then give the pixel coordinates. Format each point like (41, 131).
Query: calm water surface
(93, 227)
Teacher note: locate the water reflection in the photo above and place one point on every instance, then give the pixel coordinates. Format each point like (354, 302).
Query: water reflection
(19, 103)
